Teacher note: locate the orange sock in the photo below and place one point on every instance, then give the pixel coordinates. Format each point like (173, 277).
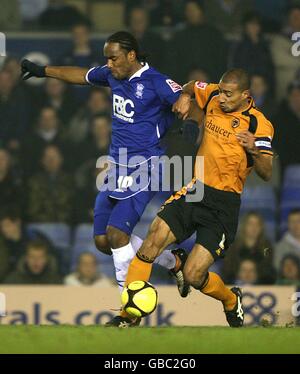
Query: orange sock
(216, 288)
(138, 270)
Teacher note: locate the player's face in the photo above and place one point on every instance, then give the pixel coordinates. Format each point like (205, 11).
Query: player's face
(231, 98)
(118, 60)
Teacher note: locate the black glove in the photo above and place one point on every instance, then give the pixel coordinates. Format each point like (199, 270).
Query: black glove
(30, 69)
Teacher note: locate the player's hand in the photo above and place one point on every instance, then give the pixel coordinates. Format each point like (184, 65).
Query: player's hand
(30, 69)
(247, 140)
(182, 106)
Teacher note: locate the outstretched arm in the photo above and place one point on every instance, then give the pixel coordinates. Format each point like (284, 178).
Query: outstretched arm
(69, 74)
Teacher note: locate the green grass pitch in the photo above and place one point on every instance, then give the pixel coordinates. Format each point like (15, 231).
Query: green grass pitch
(97, 339)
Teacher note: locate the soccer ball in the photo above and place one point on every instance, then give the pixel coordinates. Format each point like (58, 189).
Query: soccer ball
(139, 298)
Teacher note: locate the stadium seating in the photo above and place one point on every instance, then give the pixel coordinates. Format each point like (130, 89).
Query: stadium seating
(59, 236)
(259, 198)
(292, 176)
(84, 242)
(58, 233)
(290, 199)
(290, 194)
(83, 234)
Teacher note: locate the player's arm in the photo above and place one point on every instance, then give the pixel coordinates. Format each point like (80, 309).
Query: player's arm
(192, 129)
(263, 165)
(183, 104)
(195, 113)
(262, 162)
(69, 74)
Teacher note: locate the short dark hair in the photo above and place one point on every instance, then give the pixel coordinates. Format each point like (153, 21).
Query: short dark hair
(294, 211)
(10, 212)
(86, 253)
(251, 17)
(101, 115)
(290, 257)
(5, 150)
(293, 7)
(37, 244)
(295, 85)
(238, 76)
(196, 2)
(128, 42)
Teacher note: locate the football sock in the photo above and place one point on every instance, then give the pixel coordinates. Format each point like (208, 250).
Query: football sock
(215, 287)
(136, 242)
(166, 259)
(138, 270)
(122, 257)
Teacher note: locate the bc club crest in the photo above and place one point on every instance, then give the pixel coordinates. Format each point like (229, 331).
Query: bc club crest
(139, 90)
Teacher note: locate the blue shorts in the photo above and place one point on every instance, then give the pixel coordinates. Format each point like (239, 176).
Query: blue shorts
(122, 204)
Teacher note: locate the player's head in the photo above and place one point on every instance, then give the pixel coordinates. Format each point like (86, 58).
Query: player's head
(122, 52)
(234, 90)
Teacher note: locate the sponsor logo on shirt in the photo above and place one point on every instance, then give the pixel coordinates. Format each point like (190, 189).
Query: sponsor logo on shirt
(201, 85)
(122, 108)
(173, 85)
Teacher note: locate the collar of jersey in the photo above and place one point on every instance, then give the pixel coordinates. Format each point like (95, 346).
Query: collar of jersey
(251, 105)
(138, 73)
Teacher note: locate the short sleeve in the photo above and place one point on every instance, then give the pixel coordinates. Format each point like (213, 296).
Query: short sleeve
(204, 91)
(264, 135)
(167, 89)
(98, 76)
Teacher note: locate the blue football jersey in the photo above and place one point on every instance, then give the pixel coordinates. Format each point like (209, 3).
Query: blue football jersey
(141, 109)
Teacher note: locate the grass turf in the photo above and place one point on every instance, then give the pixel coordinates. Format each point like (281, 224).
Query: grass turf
(97, 339)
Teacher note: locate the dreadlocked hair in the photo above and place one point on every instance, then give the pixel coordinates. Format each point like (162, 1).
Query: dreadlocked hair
(128, 42)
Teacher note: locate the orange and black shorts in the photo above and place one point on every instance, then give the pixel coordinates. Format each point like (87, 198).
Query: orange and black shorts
(214, 219)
